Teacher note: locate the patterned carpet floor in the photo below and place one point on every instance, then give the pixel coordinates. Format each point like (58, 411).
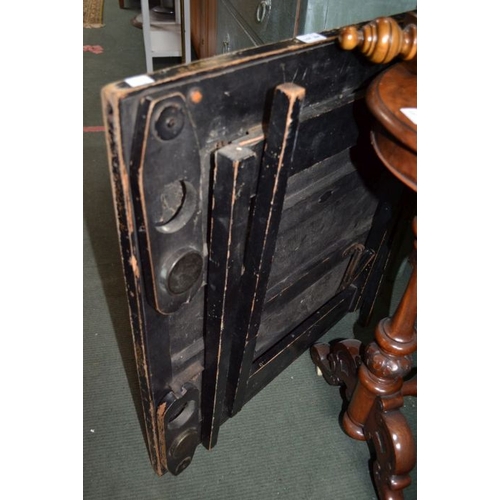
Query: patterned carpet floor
(93, 13)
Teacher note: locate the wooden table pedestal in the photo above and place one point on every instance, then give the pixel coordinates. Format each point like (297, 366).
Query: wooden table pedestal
(374, 377)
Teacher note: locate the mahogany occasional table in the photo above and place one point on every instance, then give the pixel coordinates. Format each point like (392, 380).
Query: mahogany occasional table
(373, 376)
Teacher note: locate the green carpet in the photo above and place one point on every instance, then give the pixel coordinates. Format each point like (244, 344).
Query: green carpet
(285, 444)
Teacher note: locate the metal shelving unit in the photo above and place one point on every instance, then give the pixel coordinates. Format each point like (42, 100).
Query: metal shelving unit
(164, 37)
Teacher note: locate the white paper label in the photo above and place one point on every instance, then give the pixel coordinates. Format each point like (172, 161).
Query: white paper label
(410, 113)
(311, 37)
(137, 81)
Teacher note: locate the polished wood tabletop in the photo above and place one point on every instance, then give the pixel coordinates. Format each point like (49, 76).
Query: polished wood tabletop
(395, 137)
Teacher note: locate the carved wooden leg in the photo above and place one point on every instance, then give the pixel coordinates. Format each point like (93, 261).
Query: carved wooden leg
(338, 364)
(395, 450)
(387, 360)
(375, 390)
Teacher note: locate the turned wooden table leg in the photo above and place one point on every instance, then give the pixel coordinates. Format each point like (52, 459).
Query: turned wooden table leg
(387, 360)
(375, 388)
